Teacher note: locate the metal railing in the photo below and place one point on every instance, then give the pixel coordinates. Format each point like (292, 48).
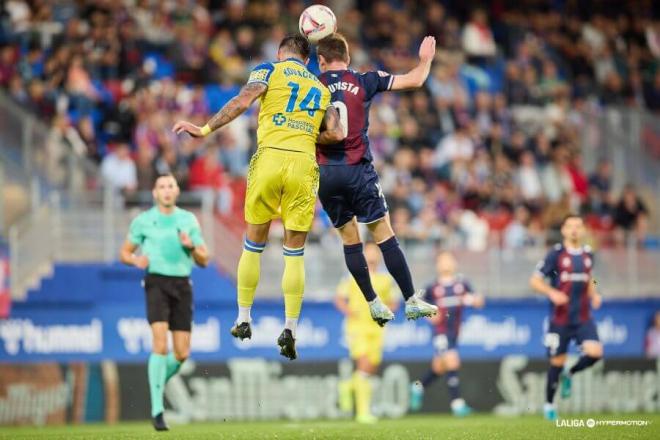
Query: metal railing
(90, 230)
(630, 138)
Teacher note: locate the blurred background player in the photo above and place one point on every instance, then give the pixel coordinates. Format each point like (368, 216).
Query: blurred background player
(450, 292)
(364, 336)
(572, 293)
(349, 190)
(283, 176)
(170, 241)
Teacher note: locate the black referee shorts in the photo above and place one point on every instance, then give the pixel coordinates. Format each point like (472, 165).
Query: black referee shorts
(169, 299)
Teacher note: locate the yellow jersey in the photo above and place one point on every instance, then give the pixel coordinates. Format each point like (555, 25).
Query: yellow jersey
(292, 108)
(358, 306)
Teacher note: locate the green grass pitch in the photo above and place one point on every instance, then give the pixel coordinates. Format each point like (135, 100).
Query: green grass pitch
(417, 427)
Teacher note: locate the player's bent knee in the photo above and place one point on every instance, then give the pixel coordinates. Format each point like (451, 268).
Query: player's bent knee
(593, 349)
(294, 239)
(381, 230)
(350, 233)
(257, 233)
(181, 356)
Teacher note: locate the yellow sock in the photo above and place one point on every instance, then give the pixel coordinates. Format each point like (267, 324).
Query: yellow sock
(346, 395)
(362, 387)
(293, 282)
(249, 267)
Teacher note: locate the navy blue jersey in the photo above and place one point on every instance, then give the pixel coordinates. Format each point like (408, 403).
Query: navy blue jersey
(449, 299)
(352, 93)
(569, 271)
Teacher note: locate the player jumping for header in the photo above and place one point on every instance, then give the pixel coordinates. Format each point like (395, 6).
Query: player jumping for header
(572, 292)
(349, 189)
(283, 176)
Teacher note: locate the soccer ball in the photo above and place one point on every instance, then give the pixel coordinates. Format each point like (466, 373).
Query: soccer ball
(317, 22)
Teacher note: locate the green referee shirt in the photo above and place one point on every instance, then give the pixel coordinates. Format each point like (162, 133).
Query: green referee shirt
(157, 234)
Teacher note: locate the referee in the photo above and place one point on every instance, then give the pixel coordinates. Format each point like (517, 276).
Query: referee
(170, 240)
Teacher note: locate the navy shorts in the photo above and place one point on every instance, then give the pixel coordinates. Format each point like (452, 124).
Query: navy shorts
(348, 191)
(558, 337)
(443, 342)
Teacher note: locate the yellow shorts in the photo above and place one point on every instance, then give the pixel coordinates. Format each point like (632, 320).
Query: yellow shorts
(282, 183)
(365, 343)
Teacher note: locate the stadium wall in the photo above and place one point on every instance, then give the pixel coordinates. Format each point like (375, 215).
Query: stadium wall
(76, 351)
(262, 389)
(93, 313)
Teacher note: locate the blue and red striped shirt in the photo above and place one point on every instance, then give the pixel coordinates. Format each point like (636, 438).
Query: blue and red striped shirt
(352, 93)
(569, 271)
(449, 299)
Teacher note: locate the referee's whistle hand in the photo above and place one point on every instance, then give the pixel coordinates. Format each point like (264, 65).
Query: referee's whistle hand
(185, 240)
(141, 261)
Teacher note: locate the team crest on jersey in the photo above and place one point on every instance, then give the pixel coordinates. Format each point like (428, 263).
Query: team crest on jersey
(279, 119)
(458, 289)
(566, 262)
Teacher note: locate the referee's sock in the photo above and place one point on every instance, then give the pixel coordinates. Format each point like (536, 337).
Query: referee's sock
(249, 267)
(157, 372)
(173, 366)
(397, 266)
(293, 286)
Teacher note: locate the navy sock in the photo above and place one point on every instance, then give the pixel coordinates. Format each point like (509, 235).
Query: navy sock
(429, 378)
(583, 363)
(452, 384)
(357, 266)
(553, 381)
(397, 266)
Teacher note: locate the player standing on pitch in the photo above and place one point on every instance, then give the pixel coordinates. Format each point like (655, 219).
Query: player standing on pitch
(283, 177)
(170, 241)
(349, 189)
(450, 292)
(572, 292)
(363, 335)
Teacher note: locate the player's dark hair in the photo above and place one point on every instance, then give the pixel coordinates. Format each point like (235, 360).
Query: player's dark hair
(568, 217)
(333, 48)
(159, 175)
(296, 44)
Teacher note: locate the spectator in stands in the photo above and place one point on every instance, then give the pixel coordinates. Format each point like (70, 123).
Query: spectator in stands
(7, 65)
(517, 234)
(652, 345)
(529, 181)
(118, 169)
(457, 146)
(599, 201)
(207, 174)
(476, 142)
(578, 178)
(630, 217)
(478, 41)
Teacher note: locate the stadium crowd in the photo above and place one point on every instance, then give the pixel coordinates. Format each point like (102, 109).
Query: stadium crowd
(490, 144)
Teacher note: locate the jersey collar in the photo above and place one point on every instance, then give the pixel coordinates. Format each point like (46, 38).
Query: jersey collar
(296, 60)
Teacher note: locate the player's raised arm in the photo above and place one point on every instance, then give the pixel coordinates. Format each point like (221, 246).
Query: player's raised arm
(332, 130)
(230, 111)
(416, 77)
